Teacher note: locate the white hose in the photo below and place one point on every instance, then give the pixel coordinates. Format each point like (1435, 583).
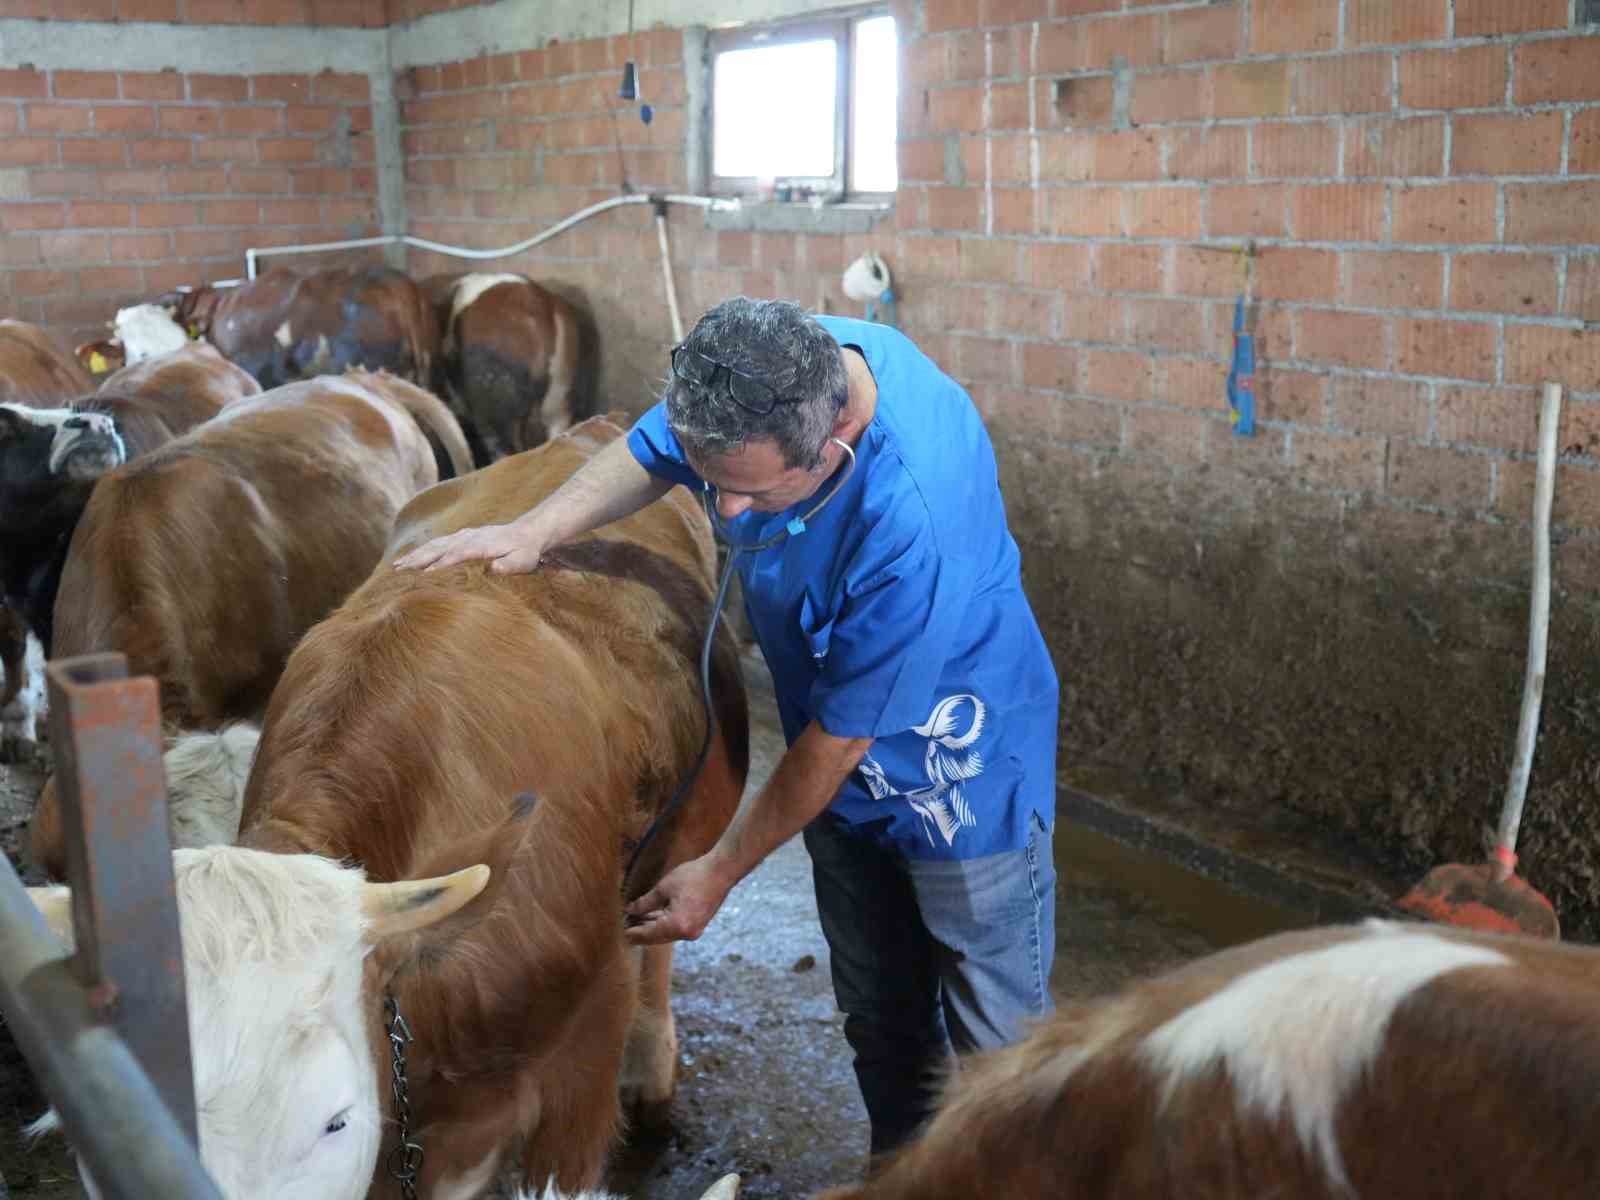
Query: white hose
(666, 271)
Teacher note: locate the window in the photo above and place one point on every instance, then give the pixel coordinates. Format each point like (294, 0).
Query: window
(805, 109)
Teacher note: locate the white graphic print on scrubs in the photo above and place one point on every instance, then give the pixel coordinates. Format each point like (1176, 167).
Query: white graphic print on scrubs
(954, 725)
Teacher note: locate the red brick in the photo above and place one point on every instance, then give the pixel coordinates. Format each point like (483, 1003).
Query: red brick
(1555, 71)
(1085, 212)
(247, 180)
(1008, 106)
(1452, 212)
(1294, 274)
(1024, 314)
(1577, 498)
(1078, 8)
(10, 118)
(1050, 365)
(1394, 280)
(1247, 211)
(95, 152)
(1486, 18)
(147, 152)
(1439, 476)
(1285, 150)
(1521, 284)
(1122, 41)
(1583, 289)
(152, 85)
(1449, 349)
(1128, 155)
(332, 87)
(190, 120)
(1492, 418)
(1176, 325)
(987, 359)
(1173, 437)
(140, 247)
(148, 10)
(280, 12)
(1344, 462)
(1407, 147)
(231, 212)
(1254, 89)
(56, 118)
(940, 15)
(1385, 23)
(19, 152)
(102, 281)
(1193, 382)
(1341, 339)
(1541, 353)
(1218, 152)
(955, 208)
(1345, 212)
(25, 82)
(225, 150)
(1203, 271)
(1013, 12)
(1118, 374)
(1583, 156)
(45, 282)
(1291, 26)
(125, 119)
(1017, 211)
(1347, 84)
(295, 89)
(955, 108)
(32, 216)
(91, 215)
(358, 13)
(1552, 214)
(1086, 101)
(229, 89)
(251, 120)
(1066, 156)
(289, 212)
(1203, 34)
(1062, 265)
(61, 183)
(131, 183)
(1171, 96)
(1509, 144)
(1165, 213)
(161, 216)
(1283, 394)
(214, 12)
(1467, 77)
(197, 183)
(287, 149)
(1058, 49)
(1126, 267)
(1364, 404)
(84, 85)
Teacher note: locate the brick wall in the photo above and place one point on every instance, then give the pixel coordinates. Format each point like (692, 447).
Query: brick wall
(1320, 628)
(502, 145)
(371, 14)
(119, 186)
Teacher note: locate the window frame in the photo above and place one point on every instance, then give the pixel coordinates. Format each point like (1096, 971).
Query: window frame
(839, 26)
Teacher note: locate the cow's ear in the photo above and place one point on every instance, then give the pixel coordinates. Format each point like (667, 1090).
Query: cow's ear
(12, 424)
(490, 857)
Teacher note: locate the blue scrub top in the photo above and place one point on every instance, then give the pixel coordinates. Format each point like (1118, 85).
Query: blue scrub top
(898, 614)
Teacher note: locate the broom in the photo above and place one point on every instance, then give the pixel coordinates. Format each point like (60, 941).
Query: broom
(1492, 896)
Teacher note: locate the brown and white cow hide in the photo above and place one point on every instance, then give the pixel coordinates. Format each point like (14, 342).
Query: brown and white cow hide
(1375, 1061)
(405, 721)
(516, 362)
(206, 560)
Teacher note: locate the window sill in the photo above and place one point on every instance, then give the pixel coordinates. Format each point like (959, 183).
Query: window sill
(774, 216)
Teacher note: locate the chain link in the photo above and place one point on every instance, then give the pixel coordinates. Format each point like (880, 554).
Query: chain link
(405, 1160)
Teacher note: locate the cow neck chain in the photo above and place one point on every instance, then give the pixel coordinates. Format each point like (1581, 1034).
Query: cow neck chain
(405, 1160)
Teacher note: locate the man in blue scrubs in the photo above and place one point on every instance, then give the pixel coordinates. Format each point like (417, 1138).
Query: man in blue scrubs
(917, 697)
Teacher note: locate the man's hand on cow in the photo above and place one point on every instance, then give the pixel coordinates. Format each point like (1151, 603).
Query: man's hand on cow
(679, 908)
(509, 550)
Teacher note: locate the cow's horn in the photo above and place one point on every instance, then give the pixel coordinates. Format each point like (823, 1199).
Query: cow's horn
(410, 904)
(55, 906)
(726, 1188)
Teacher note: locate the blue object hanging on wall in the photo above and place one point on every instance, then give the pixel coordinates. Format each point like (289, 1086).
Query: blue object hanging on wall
(1242, 377)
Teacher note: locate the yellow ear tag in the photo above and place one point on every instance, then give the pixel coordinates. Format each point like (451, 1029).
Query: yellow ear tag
(194, 333)
(97, 363)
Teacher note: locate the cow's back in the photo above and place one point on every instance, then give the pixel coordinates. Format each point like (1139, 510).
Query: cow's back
(160, 398)
(34, 372)
(205, 560)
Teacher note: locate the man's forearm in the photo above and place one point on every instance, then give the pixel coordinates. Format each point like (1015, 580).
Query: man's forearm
(607, 488)
(806, 780)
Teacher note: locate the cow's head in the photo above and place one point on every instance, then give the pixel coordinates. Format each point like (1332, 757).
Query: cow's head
(101, 357)
(86, 445)
(287, 957)
(26, 435)
(147, 330)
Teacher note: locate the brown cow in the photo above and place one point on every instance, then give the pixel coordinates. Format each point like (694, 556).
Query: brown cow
(286, 326)
(402, 729)
(1381, 1060)
(516, 362)
(206, 560)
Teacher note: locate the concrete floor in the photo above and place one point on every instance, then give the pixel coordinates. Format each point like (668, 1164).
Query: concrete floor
(766, 1086)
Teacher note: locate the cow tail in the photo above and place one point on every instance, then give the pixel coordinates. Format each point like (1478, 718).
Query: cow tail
(13, 652)
(441, 427)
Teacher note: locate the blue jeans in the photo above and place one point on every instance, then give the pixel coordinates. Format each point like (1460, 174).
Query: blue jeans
(928, 957)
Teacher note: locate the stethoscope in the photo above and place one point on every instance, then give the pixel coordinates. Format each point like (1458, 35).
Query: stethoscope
(795, 525)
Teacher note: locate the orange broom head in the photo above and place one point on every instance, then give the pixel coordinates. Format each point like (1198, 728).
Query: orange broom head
(1472, 898)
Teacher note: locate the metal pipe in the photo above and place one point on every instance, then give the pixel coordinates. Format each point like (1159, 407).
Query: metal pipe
(112, 1113)
(253, 254)
(666, 271)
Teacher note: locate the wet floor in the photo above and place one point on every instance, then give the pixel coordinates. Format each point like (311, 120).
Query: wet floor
(766, 1088)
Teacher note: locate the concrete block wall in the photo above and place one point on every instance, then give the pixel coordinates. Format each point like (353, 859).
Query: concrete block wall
(369, 14)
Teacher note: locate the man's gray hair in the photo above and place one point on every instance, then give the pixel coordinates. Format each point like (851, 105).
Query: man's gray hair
(779, 344)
